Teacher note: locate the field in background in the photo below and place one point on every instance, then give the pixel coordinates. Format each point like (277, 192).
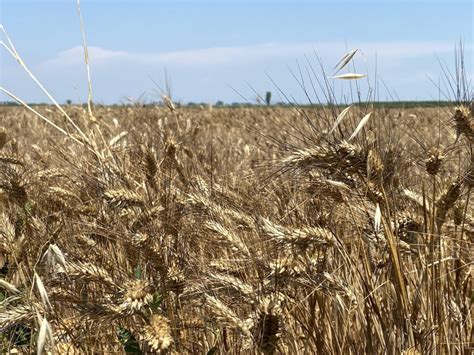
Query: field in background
(220, 104)
(237, 230)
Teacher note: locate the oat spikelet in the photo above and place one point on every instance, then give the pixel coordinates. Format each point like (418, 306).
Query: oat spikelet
(359, 127)
(339, 118)
(53, 255)
(157, 333)
(9, 287)
(345, 60)
(42, 292)
(45, 333)
(349, 76)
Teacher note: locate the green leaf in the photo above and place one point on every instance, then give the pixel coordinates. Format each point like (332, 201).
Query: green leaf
(130, 344)
(138, 272)
(157, 300)
(212, 350)
(21, 335)
(29, 205)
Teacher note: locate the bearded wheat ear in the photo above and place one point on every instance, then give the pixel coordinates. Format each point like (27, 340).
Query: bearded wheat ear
(3, 137)
(226, 315)
(117, 138)
(268, 323)
(157, 334)
(446, 202)
(4, 158)
(48, 121)
(464, 122)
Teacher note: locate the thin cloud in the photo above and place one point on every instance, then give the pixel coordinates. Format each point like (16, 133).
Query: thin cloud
(247, 54)
(206, 74)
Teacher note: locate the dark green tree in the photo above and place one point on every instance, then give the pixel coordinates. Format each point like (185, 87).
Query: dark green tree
(268, 97)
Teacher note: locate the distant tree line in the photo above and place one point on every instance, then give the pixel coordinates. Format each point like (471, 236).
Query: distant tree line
(220, 103)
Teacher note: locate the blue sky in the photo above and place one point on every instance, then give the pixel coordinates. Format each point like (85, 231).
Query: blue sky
(210, 48)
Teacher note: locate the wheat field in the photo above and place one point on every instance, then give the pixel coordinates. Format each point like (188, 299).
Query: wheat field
(261, 230)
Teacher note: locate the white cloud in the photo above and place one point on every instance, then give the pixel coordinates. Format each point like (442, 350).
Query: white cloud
(75, 56)
(206, 74)
(247, 54)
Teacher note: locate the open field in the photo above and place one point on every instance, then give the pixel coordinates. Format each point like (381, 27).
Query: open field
(237, 230)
